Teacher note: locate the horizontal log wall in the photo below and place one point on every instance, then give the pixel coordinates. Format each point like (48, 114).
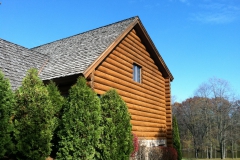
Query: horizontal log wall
(168, 112)
(146, 101)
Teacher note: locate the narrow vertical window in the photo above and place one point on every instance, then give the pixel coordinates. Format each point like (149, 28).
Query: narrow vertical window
(137, 73)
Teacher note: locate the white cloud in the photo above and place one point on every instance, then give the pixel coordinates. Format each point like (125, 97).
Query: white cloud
(216, 13)
(183, 1)
(216, 18)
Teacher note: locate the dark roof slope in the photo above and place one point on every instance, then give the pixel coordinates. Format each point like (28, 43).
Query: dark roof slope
(15, 60)
(73, 55)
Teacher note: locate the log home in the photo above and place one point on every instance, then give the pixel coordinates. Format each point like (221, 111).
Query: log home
(121, 56)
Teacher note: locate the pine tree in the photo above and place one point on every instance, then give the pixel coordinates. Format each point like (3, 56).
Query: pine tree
(176, 138)
(116, 137)
(80, 132)
(34, 119)
(6, 113)
(57, 101)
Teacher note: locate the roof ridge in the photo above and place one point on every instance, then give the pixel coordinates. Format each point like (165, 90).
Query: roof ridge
(28, 50)
(85, 32)
(14, 44)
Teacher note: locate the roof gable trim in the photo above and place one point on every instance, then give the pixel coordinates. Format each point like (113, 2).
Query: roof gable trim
(136, 23)
(92, 67)
(149, 42)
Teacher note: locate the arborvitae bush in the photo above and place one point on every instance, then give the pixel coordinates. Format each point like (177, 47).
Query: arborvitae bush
(6, 113)
(176, 138)
(34, 119)
(56, 98)
(116, 137)
(57, 101)
(80, 132)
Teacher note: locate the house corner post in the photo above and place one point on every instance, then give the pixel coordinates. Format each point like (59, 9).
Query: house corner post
(168, 112)
(90, 80)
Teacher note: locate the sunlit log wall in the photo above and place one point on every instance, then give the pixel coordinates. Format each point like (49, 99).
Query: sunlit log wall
(168, 111)
(146, 100)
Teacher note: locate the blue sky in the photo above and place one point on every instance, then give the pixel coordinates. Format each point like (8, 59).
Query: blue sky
(198, 39)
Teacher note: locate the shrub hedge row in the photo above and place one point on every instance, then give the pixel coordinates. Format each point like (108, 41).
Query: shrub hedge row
(36, 121)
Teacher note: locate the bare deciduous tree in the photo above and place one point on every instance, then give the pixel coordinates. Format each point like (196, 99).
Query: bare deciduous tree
(211, 117)
(192, 116)
(220, 100)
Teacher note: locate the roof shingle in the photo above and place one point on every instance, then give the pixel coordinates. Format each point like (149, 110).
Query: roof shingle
(15, 60)
(74, 54)
(64, 57)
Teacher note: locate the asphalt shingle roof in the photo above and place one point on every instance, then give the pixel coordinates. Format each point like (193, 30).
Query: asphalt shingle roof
(65, 57)
(73, 55)
(15, 60)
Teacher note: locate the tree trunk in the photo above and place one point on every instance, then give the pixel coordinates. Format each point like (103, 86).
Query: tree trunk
(211, 150)
(236, 152)
(221, 149)
(196, 153)
(215, 152)
(224, 150)
(207, 152)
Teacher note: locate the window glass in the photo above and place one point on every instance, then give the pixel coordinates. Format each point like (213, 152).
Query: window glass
(137, 73)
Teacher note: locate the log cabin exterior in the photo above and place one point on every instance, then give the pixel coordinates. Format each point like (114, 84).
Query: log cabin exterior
(121, 56)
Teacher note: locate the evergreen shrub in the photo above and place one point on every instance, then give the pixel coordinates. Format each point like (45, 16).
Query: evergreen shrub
(56, 98)
(176, 138)
(116, 139)
(34, 120)
(80, 130)
(57, 102)
(6, 112)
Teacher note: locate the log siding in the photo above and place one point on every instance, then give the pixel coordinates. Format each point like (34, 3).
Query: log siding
(168, 112)
(105, 57)
(146, 101)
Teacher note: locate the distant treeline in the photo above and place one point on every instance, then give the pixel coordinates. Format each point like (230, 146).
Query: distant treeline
(210, 121)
